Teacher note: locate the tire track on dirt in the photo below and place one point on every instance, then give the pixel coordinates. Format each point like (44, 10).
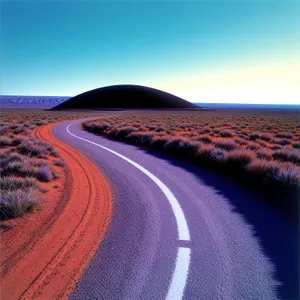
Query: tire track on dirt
(57, 260)
(34, 237)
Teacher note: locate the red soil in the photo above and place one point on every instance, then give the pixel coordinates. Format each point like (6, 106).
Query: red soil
(45, 254)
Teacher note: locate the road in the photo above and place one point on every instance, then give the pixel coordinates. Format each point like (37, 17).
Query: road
(172, 235)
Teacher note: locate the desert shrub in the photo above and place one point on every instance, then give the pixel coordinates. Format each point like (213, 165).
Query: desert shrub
(283, 142)
(240, 157)
(18, 140)
(265, 137)
(253, 146)
(264, 153)
(228, 145)
(39, 123)
(248, 144)
(31, 149)
(35, 148)
(276, 147)
(135, 124)
(124, 131)
(54, 153)
(153, 127)
(218, 155)
(205, 149)
(43, 174)
(244, 133)
(206, 139)
(14, 156)
(204, 130)
(5, 141)
(160, 129)
(4, 161)
(287, 155)
(4, 129)
(261, 167)
(16, 203)
(139, 137)
(159, 143)
(12, 168)
(288, 174)
(94, 126)
(181, 145)
(226, 133)
(296, 145)
(284, 135)
(13, 127)
(29, 168)
(262, 144)
(56, 175)
(59, 163)
(22, 130)
(17, 183)
(254, 136)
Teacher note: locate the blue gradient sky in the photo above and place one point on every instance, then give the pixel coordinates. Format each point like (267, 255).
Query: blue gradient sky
(203, 51)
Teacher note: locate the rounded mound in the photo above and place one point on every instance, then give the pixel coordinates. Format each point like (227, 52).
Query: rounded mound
(125, 97)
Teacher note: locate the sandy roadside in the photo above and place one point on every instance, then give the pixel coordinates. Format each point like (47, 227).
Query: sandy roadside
(45, 256)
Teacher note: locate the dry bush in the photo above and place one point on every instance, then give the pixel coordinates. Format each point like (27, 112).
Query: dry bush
(254, 136)
(240, 157)
(181, 146)
(226, 133)
(59, 163)
(296, 145)
(218, 155)
(288, 174)
(16, 203)
(26, 160)
(206, 139)
(205, 149)
(5, 141)
(264, 153)
(265, 137)
(13, 183)
(287, 155)
(139, 137)
(253, 146)
(250, 148)
(260, 167)
(228, 145)
(285, 135)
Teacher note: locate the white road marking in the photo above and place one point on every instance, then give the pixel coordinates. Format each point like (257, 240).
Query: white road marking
(181, 271)
(182, 226)
(177, 285)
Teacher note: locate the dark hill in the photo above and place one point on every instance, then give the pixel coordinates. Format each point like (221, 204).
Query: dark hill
(125, 97)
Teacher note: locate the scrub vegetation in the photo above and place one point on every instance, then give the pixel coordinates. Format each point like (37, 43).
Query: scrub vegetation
(258, 148)
(26, 163)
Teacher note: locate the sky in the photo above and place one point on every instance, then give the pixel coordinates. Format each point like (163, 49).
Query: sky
(203, 51)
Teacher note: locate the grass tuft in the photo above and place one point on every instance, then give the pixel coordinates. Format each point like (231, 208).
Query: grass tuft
(16, 203)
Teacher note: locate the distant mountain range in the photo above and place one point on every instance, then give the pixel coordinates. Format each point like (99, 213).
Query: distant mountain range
(46, 102)
(31, 101)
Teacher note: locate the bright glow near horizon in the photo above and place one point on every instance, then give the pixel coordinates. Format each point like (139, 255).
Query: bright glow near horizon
(202, 51)
(276, 84)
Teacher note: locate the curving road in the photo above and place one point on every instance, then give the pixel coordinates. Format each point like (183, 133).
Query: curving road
(172, 235)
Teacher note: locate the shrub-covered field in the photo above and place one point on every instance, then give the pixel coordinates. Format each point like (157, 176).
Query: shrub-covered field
(260, 148)
(26, 163)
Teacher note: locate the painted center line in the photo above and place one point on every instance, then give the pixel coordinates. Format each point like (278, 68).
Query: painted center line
(182, 227)
(180, 274)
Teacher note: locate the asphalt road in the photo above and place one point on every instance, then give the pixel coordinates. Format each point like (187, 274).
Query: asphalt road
(172, 235)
